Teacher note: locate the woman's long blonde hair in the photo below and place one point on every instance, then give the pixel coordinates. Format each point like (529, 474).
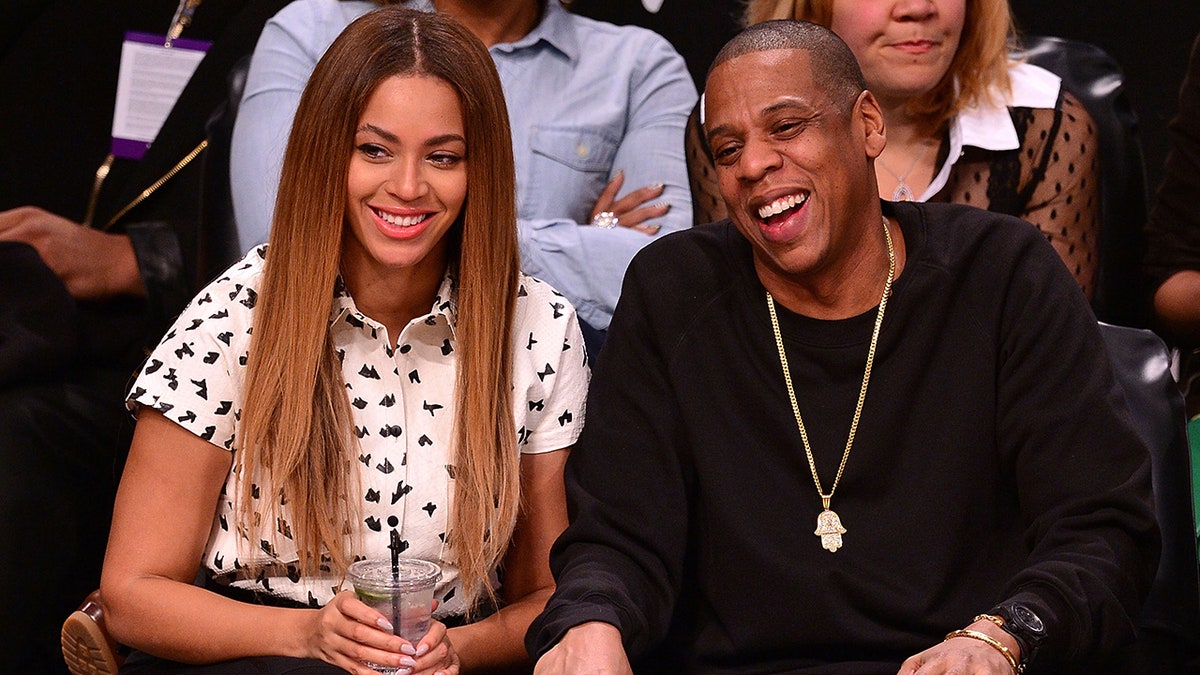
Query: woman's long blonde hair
(296, 433)
(980, 63)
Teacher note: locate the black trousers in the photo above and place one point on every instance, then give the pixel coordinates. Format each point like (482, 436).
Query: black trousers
(63, 444)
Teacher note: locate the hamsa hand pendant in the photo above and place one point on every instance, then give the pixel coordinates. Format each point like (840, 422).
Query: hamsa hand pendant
(829, 528)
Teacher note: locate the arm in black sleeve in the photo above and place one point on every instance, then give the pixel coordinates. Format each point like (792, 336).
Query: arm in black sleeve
(1081, 470)
(1173, 230)
(621, 559)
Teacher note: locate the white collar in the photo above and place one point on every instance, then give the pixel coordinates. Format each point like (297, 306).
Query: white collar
(988, 125)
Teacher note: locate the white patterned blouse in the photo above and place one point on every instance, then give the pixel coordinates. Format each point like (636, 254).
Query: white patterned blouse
(402, 404)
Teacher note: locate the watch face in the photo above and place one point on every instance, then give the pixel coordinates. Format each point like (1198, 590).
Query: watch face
(1027, 619)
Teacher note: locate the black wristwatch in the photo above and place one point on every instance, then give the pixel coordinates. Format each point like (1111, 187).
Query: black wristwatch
(1025, 626)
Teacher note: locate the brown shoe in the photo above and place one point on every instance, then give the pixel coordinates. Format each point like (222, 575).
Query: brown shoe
(86, 645)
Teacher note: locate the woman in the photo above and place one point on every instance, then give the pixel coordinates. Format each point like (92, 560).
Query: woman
(965, 122)
(353, 410)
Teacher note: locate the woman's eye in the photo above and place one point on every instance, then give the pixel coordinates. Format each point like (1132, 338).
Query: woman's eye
(372, 151)
(444, 159)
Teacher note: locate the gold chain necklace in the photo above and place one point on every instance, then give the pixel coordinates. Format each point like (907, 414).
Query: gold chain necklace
(829, 526)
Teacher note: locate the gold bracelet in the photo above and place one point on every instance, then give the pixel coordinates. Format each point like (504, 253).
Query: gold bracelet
(984, 637)
(990, 617)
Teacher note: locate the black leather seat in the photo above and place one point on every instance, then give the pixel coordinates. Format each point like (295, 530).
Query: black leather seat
(1097, 80)
(1170, 621)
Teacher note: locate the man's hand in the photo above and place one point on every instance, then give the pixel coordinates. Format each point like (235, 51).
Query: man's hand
(632, 210)
(965, 655)
(587, 649)
(91, 264)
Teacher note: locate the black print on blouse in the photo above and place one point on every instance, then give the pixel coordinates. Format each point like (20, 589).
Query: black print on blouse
(387, 349)
(201, 388)
(529, 345)
(169, 336)
(224, 408)
(138, 393)
(217, 560)
(539, 404)
(243, 359)
(414, 376)
(172, 379)
(282, 527)
(430, 321)
(358, 403)
(446, 348)
(393, 521)
(369, 372)
(566, 345)
(224, 526)
(565, 418)
(196, 323)
(189, 417)
(361, 432)
(449, 595)
(250, 299)
(432, 407)
(237, 288)
(255, 491)
(211, 357)
(354, 321)
(209, 432)
(312, 601)
(365, 459)
(386, 467)
(373, 523)
(450, 471)
(390, 431)
(558, 307)
(521, 292)
(404, 459)
(372, 495)
(223, 314)
(429, 508)
(225, 337)
(542, 375)
(293, 573)
(388, 401)
(206, 298)
(401, 491)
(341, 355)
(155, 364)
(267, 547)
(523, 435)
(163, 408)
(185, 348)
(424, 441)
(404, 349)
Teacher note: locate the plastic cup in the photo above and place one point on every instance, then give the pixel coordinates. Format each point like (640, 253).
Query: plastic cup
(404, 596)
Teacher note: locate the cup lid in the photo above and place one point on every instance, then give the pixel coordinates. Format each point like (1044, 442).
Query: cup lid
(410, 574)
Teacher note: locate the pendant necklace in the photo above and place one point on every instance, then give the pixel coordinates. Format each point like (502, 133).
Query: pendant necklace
(829, 525)
(903, 193)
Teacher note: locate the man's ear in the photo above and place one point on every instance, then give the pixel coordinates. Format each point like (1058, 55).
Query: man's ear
(874, 129)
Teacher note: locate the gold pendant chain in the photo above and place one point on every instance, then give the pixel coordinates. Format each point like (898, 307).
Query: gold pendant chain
(828, 524)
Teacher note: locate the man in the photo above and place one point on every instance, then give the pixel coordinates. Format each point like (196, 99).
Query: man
(921, 386)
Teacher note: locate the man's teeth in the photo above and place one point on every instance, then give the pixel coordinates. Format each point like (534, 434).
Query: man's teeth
(780, 205)
(402, 221)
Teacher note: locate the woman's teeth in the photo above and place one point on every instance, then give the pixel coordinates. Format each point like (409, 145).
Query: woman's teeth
(402, 221)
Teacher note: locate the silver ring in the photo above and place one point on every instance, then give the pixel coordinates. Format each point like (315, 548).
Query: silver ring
(606, 220)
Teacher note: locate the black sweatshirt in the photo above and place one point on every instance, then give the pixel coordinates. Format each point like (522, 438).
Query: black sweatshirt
(994, 460)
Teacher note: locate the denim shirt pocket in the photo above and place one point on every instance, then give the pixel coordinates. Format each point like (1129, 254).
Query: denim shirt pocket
(569, 167)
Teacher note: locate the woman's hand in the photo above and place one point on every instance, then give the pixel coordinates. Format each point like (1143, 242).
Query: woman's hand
(346, 632)
(434, 653)
(631, 210)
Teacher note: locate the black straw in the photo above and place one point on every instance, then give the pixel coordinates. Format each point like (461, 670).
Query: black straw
(395, 578)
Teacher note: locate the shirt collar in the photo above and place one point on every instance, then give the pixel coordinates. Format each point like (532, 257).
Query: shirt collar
(444, 309)
(554, 29)
(988, 124)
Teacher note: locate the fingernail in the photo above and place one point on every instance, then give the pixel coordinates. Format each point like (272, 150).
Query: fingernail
(665, 206)
(653, 229)
(659, 186)
(421, 650)
(407, 661)
(408, 649)
(384, 624)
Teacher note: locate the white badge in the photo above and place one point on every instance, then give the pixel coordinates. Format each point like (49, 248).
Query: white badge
(151, 79)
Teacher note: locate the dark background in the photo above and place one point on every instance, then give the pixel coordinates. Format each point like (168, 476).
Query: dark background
(1151, 40)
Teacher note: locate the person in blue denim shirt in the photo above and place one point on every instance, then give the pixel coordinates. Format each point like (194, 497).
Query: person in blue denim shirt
(595, 109)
